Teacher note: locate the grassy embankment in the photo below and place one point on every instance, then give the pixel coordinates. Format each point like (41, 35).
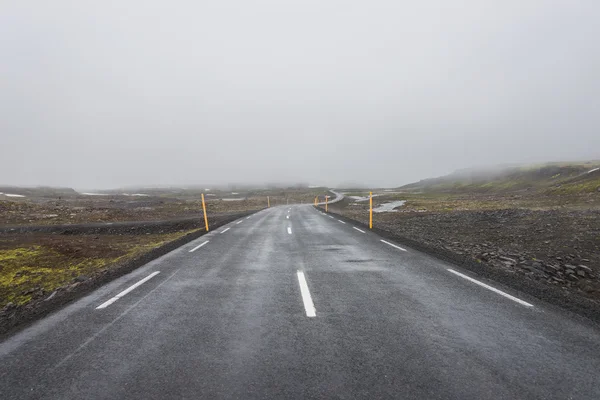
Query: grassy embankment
(33, 266)
(534, 187)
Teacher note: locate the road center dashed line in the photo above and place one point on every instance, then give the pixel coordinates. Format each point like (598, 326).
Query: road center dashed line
(289, 229)
(330, 216)
(393, 245)
(239, 222)
(360, 230)
(309, 306)
(225, 230)
(341, 221)
(197, 247)
(493, 289)
(129, 289)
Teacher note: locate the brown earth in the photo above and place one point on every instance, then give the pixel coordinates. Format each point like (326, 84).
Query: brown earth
(48, 208)
(114, 209)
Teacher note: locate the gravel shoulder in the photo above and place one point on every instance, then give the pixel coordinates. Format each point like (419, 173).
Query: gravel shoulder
(552, 253)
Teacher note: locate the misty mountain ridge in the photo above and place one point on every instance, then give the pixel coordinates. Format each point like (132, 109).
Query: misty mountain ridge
(552, 177)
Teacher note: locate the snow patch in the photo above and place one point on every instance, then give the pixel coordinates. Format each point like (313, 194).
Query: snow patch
(593, 170)
(360, 198)
(12, 195)
(389, 207)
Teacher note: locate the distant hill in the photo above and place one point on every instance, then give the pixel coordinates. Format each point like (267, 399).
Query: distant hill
(559, 177)
(39, 191)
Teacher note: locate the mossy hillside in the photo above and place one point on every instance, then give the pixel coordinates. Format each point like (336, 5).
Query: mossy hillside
(536, 177)
(588, 186)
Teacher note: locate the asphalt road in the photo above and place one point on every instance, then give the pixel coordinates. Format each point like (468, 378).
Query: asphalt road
(291, 303)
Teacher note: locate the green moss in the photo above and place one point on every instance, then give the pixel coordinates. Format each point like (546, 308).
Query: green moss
(589, 186)
(18, 253)
(38, 269)
(27, 272)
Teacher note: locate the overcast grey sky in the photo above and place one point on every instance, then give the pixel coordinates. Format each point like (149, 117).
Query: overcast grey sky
(110, 93)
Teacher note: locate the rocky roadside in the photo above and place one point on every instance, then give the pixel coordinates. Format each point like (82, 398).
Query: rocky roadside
(551, 251)
(558, 272)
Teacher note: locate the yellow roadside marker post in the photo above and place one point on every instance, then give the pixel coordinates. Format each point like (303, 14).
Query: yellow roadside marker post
(370, 210)
(205, 216)
(326, 201)
(268, 202)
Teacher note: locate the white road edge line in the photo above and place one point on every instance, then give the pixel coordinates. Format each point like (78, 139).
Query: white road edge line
(393, 245)
(341, 221)
(247, 217)
(225, 230)
(129, 289)
(360, 230)
(289, 230)
(306, 299)
(330, 216)
(124, 313)
(197, 247)
(493, 289)
(287, 217)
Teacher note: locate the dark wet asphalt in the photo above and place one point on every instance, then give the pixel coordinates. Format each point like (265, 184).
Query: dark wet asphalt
(228, 321)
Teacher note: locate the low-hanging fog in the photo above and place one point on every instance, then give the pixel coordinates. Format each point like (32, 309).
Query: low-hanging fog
(116, 93)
